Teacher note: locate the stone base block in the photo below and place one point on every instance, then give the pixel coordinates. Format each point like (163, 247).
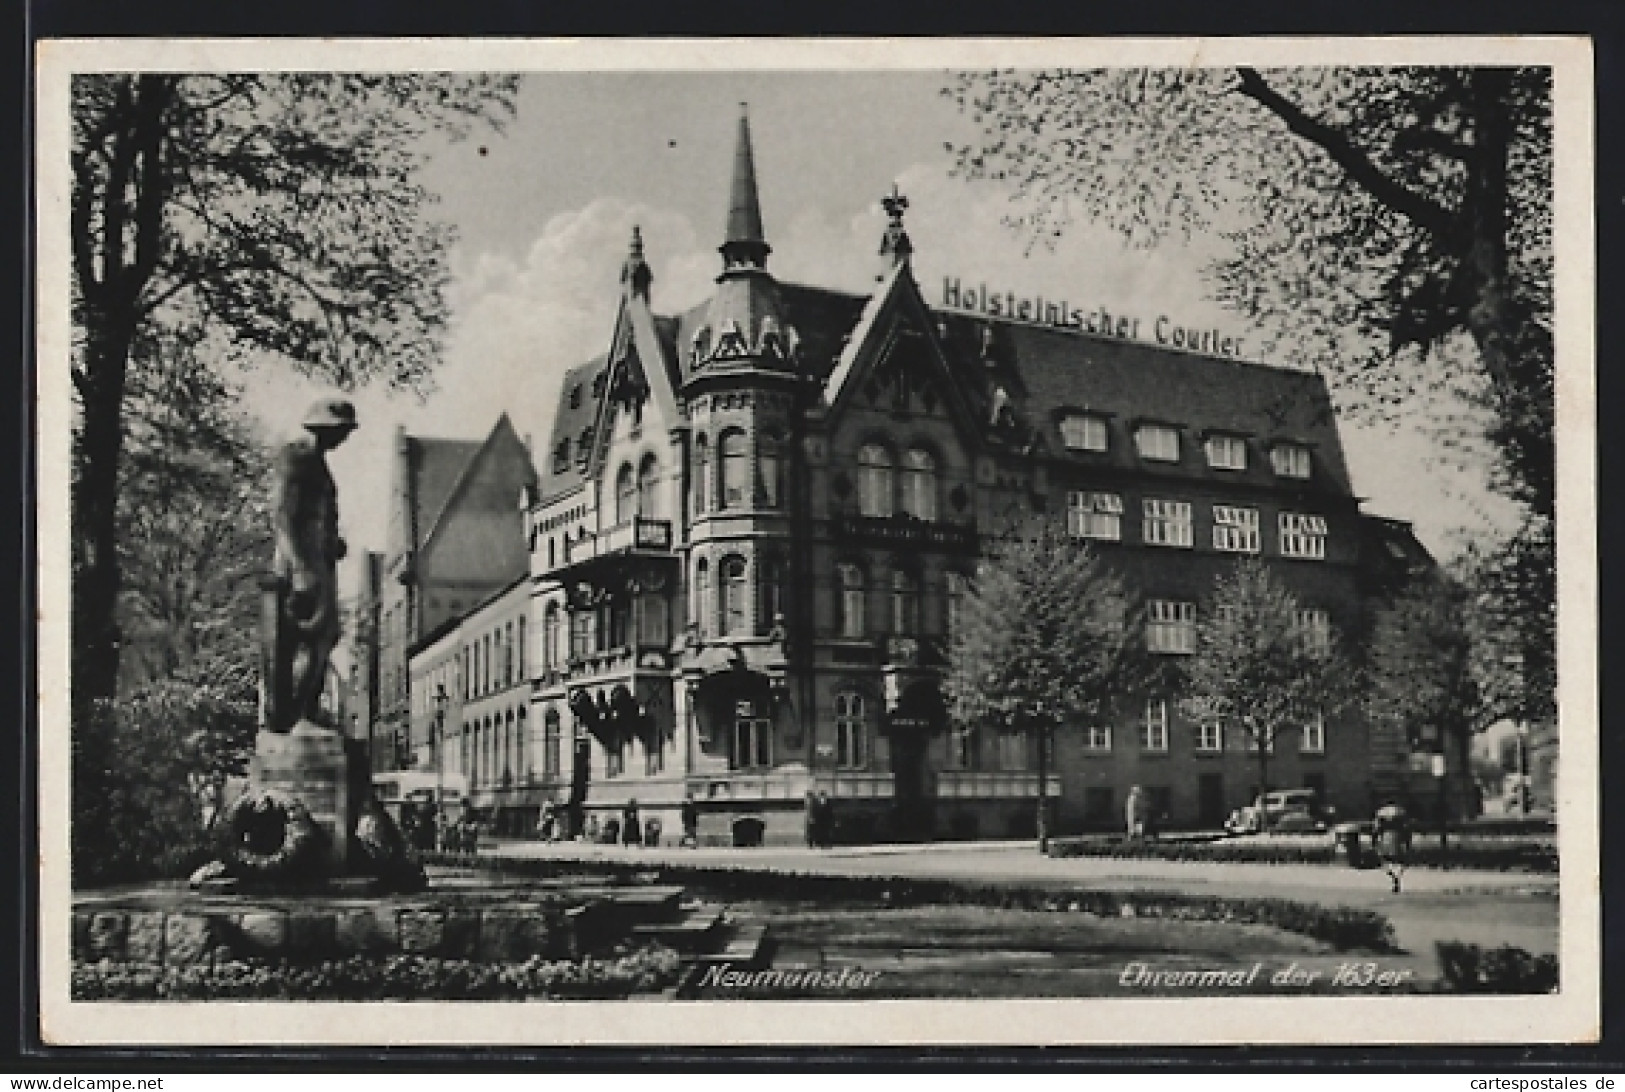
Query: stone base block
(312, 765)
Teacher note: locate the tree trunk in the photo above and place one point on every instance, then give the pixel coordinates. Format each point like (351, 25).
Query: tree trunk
(1263, 786)
(95, 510)
(1042, 818)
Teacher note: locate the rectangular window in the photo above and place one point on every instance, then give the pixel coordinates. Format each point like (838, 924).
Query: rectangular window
(1098, 737)
(1083, 433)
(1166, 522)
(1158, 443)
(1154, 729)
(1303, 536)
(1210, 737)
(654, 757)
(1012, 751)
(1314, 630)
(752, 743)
(1290, 460)
(1226, 452)
(1170, 626)
(1094, 515)
(1313, 739)
(614, 760)
(1235, 530)
(851, 732)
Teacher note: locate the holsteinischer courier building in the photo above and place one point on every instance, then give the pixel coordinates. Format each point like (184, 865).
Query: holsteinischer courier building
(754, 520)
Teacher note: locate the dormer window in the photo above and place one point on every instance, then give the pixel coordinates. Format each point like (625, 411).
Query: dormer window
(561, 456)
(575, 396)
(598, 385)
(1290, 460)
(1157, 443)
(1226, 452)
(1083, 432)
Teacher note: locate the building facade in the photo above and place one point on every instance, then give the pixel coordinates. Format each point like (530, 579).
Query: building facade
(455, 538)
(755, 520)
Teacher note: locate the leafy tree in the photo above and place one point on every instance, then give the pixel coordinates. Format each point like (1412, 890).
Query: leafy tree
(248, 217)
(1043, 640)
(1421, 668)
(1376, 218)
(1257, 668)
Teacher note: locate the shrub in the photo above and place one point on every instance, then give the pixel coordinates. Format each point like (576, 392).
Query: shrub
(1493, 854)
(1469, 968)
(388, 978)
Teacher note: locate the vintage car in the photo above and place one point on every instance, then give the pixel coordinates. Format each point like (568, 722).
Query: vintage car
(1289, 811)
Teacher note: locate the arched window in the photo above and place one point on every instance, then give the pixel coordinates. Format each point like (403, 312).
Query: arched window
(735, 612)
(735, 470)
(874, 481)
(851, 732)
(701, 481)
(770, 588)
(851, 622)
(648, 489)
(905, 604)
(699, 611)
(551, 757)
(626, 495)
(920, 484)
(768, 469)
(550, 637)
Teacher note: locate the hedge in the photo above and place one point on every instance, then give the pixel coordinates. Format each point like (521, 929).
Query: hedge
(1342, 927)
(1469, 968)
(1488, 854)
(381, 978)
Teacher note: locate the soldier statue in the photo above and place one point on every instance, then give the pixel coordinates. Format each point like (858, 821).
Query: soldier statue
(308, 550)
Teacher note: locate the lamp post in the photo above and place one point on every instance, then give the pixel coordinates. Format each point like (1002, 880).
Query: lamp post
(441, 698)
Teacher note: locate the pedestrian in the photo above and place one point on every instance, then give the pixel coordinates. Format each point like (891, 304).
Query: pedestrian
(589, 831)
(810, 819)
(826, 820)
(691, 821)
(1134, 812)
(631, 825)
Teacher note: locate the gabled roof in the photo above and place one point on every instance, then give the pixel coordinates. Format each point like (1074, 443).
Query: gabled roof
(428, 469)
(501, 432)
(569, 421)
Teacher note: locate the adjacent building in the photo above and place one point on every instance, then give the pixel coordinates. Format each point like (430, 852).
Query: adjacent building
(455, 538)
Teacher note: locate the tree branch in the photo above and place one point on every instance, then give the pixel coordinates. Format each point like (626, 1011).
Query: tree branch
(1425, 214)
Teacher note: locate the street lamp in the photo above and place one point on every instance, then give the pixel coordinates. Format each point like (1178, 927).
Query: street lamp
(441, 698)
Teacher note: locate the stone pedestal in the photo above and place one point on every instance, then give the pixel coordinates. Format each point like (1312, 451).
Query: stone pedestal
(310, 764)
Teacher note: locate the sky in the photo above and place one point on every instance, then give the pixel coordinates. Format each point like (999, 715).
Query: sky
(544, 212)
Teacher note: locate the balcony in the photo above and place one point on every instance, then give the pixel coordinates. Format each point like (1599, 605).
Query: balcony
(903, 532)
(637, 535)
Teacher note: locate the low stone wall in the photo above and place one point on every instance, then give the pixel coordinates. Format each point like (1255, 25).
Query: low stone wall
(187, 936)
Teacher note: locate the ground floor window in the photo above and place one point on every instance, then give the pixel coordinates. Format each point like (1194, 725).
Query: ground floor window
(1209, 737)
(1098, 737)
(654, 757)
(851, 732)
(550, 744)
(753, 738)
(1313, 741)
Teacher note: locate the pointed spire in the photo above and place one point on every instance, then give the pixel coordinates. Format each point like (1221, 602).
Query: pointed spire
(745, 242)
(636, 274)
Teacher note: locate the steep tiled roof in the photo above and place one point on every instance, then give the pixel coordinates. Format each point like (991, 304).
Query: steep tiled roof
(435, 465)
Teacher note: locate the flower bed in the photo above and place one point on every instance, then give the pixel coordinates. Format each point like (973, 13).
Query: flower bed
(1344, 928)
(1469, 968)
(388, 978)
(1495, 854)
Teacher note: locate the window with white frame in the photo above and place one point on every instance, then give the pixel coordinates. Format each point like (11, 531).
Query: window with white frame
(851, 621)
(1226, 452)
(1082, 432)
(1154, 728)
(1170, 626)
(1313, 739)
(920, 484)
(1235, 530)
(1166, 522)
(1158, 443)
(1303, 536)
(851, 732)
(1210, 736)
(1314, 627)
(1098, 737)
(1094, 515)
(1290, 460)
(874, 481)
(753, 738)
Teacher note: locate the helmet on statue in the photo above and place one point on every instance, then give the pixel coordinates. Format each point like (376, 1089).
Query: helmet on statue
(330, 413)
